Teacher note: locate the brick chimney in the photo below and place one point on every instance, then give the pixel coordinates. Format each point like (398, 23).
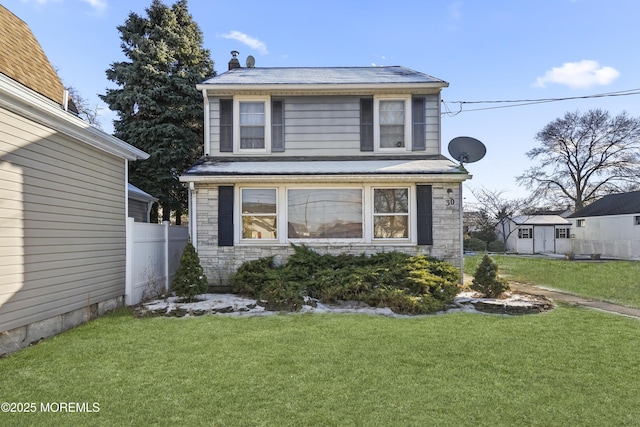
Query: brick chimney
(234, 63)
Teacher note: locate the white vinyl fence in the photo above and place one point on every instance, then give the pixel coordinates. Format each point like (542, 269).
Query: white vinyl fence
(153, 256)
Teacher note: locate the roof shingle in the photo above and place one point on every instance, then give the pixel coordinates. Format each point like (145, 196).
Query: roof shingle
(23, 60)
(613, 204)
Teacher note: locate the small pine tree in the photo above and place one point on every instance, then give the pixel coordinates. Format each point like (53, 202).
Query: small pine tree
(189, 280)
(486, 280)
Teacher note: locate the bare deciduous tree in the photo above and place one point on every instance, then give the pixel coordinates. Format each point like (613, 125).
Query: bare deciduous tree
(585, 156)
(501, 210)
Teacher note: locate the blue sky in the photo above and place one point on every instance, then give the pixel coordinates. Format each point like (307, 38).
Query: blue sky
(490, 50)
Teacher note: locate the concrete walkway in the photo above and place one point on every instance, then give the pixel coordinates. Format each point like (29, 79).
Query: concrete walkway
(575, 300)
(569, 298)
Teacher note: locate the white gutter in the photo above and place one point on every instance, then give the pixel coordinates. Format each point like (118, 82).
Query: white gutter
(29, 104)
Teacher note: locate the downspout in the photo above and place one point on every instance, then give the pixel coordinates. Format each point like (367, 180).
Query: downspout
(193, 225)
(207, 124)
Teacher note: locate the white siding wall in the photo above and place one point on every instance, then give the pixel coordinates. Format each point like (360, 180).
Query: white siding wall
(612, 236)
(62, 223)
(327, 126)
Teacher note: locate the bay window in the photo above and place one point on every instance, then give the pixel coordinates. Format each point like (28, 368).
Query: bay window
(363, 214)
(324, 213)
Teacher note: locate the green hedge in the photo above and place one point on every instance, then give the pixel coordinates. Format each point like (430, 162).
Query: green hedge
(406, 284)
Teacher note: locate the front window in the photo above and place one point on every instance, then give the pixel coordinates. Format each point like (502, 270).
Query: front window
(324, 213)
(252, 125)
(391, 213)
(259, 213)
(525, 233)
(562, 233)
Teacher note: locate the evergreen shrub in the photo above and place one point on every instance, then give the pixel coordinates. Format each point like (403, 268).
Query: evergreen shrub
(406, 284)
(474, 244)
(496, 246)
(189, 280)
(486, 279)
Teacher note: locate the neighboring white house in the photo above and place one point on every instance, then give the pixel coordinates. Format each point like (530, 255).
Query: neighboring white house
(344, 159)
(531, 234)
(609, 226)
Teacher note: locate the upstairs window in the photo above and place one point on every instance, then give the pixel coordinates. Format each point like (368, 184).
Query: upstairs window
(636, 220)
(392, 123)
(580, 223)
(252, 124)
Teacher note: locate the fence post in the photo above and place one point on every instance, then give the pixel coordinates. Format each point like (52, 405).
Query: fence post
(167, 282)
(128, 287)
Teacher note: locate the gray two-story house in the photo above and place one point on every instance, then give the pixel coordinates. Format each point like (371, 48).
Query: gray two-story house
(344, 159)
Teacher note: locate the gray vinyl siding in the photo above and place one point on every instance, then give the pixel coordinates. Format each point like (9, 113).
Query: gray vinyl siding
(138, 210)
(432, 111)
(327, 126)
(62, 223)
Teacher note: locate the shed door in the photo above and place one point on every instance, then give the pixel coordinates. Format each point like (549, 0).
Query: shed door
(543, 239)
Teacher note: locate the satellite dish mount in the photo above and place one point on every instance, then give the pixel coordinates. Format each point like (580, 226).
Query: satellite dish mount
(466, 149)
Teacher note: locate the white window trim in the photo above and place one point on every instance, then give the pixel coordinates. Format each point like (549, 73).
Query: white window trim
(237, 209)
(412, 223)
(282, 216)
(408, 140)
(236, 123)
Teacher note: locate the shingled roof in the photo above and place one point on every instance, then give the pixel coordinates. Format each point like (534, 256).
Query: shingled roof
(23, 60)
(613, 204)
(324, 76)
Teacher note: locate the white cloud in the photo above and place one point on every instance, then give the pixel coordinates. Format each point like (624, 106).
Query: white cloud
(579, 75)
(98, 5)
(253, 43)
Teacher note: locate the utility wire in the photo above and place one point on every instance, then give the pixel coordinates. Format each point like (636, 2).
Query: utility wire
(522, 102)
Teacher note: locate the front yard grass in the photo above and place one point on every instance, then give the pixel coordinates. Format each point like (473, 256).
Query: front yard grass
(613, 281)
(570, 366)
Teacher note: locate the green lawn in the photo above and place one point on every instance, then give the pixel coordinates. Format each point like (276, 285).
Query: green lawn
(567, 367)
(614, 281)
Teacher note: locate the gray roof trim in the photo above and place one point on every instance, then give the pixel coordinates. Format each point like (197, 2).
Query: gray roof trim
(612, 204)
(324, 166)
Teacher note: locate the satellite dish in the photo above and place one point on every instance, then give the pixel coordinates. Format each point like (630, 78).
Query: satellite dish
(251, 61)
(466, 149)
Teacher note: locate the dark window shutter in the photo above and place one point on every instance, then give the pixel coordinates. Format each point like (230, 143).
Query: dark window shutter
(425, 214)
(277, 126)
(366, 124)
(419, 125)
(226, 125)
(225, 215)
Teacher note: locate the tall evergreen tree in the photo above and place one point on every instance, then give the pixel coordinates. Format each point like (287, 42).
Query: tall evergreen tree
(159, 108)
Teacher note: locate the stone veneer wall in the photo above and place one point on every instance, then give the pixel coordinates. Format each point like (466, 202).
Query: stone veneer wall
(220, 262)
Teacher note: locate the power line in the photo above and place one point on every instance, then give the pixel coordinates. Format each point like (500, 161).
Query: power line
(523, 102)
